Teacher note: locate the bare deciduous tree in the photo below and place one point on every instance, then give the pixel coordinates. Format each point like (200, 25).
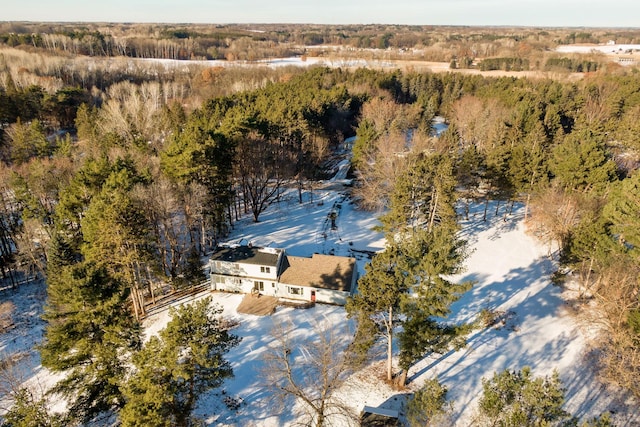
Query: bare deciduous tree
(263, 166)
(387, 115)
(310, 370)
(616, 294)
(378, 174)
(554, 213)
(478, 122)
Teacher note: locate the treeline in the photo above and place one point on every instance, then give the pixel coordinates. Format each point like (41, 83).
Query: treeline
(506, 64)
(574, 65)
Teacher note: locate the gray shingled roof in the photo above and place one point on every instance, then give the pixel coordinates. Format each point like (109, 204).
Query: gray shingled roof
(319, 271)
(248, 255)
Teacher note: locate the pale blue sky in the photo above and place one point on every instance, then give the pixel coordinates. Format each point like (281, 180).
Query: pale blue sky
(552, 13)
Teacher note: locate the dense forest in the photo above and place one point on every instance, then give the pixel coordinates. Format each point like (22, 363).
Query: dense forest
(115, 183)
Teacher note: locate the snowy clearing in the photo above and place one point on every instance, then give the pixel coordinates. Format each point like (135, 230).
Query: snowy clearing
(511, 271)
(512, 275)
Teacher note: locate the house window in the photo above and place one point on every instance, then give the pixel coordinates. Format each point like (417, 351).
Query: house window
(294, 290)
(220, 279)
(265, 269)
(258, 286)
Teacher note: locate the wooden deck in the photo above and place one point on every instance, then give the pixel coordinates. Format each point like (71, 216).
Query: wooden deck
(259, 305)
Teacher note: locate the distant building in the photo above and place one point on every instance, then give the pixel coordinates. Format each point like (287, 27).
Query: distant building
(269, 271)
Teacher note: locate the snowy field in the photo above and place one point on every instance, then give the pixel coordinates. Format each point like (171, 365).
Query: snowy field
(296, 61)
(602, 48)
(512, 275)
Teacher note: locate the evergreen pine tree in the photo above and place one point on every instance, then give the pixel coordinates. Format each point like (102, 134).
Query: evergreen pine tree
(89, 332)
(423, 196)
(582, 163)
(376, 306)
(623, 211)
(205, 156)
(519, 399)
(429, 406)
(364, 145)
(174, 369)
(406, 283)
(430, 258)
(29, 411)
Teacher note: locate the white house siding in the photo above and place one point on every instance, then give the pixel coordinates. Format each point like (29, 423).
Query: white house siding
(285, 291)
(331, 297)
(227, 283)
(265, 272)
(328, 296)
(242, 284)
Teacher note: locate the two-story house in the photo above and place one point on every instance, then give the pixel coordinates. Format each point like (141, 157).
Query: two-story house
(269, 271)
(245, 268)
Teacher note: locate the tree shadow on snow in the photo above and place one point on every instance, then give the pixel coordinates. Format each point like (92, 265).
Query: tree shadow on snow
(520, 285)
(506, 219)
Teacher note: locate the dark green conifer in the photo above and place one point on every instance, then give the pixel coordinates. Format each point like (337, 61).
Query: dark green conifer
(174, 369)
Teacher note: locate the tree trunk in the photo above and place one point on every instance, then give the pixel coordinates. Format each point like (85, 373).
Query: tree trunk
(486, 206)
(230, 215)
(433, 212)
(300, 191)
(402, 378)
(506, 211)
(390, 345)
(153, 295)
(526, 207)
(134, 302)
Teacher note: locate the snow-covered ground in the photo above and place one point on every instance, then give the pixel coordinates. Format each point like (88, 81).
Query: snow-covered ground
(511, 271)
(297, 61)
(602, 48)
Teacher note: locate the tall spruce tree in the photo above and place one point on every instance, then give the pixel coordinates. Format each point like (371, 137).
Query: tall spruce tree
(117, 234)
(89, 331)
(430, 258)
(99, 241)
(423, 196)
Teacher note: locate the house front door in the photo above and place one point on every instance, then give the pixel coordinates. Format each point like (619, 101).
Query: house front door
(313, 296)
